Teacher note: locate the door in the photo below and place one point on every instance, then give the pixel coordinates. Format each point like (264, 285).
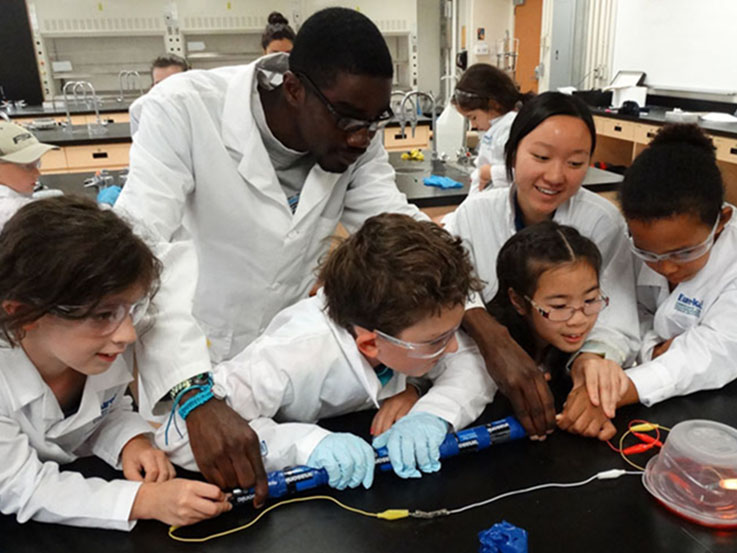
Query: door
(561, 44)
(527, 28)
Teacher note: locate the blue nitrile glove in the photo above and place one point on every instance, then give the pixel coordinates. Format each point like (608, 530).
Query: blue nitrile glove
(414, 442)
(441, 182)
(348, 459)
(108, 195)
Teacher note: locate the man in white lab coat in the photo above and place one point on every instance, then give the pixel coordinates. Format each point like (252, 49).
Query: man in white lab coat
(238, 175)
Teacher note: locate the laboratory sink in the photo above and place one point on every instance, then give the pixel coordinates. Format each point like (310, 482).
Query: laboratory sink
(428, 166)
(410, 175)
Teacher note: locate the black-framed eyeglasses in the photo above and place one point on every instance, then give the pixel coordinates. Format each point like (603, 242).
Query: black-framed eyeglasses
(563, 314)
(343, 122)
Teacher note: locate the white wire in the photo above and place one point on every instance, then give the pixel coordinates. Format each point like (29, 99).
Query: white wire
(597, 476)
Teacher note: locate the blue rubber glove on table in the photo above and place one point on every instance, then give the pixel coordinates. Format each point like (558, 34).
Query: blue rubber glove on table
(413, 443)
(108, 195)
(441, 182)
(348, 460)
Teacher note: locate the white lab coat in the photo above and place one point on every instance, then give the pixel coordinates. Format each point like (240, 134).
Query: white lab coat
(304, 368)
(10, 202)
(233, 251)
(35, 438)
(491, 152)
(486, 221)
(700, 315)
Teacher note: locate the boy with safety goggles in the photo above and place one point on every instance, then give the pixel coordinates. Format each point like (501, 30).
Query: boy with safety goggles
(392, 302)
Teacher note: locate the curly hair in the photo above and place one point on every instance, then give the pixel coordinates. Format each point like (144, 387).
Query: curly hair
(395, 271)
(677, 174)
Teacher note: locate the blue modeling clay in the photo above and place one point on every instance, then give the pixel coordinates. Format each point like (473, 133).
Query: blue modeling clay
(503, 537)
(441, 182)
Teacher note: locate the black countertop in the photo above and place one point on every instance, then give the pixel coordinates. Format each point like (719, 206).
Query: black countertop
(409, 181)
(656, 115)
(607, 516)
(81, 135)
(410, 175)
(106, 106)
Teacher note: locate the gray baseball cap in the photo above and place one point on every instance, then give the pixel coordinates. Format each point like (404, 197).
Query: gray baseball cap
(18, 145)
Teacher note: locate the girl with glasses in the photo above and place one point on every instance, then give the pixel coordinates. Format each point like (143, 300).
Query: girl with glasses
(69, 307)
(685, 240)
(549, 299)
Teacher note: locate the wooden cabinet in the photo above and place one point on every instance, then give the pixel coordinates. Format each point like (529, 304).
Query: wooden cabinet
(614, 128)
(54, 161)
(393, 140)
(97, 156)
(619, 142)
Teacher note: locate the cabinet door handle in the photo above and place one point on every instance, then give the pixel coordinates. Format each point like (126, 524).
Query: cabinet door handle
(650, 134)
(99, 155)
(617, 128)
(733, 151)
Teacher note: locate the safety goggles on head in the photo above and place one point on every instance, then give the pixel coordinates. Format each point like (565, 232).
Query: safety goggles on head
(421, 350)
(462, 96)
(563, 314)
(106, 319)
(343, 122)
(684, 255)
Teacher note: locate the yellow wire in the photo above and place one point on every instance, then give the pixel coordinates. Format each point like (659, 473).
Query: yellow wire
(173, 529)
(643, 427)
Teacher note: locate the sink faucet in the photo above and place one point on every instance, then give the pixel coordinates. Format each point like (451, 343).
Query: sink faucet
(413, 123)
(79, 91)
(129, 80)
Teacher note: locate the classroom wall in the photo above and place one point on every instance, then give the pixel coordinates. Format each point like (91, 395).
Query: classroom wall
(680, 44)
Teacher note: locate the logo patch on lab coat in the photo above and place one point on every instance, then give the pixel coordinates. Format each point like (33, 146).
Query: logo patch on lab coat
(106, 405)
(689, 306)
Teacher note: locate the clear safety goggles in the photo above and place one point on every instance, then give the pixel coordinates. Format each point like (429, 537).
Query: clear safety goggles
(463, 96)
(563, 314)
(684, 255)
(106, 319)
(421, 350)
(343, 122)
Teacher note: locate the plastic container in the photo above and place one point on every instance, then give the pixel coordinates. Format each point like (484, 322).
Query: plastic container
(695, 474)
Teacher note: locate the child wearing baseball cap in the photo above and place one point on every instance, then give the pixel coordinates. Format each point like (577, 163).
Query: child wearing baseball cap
(20, 159)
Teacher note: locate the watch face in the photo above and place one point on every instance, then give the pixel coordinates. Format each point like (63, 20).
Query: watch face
(218, 391)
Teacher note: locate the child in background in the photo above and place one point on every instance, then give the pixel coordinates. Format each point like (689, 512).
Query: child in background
(685, 240)
(68, 310)
(549, 299)
(392, 302)
(20, 160)
(489, 99)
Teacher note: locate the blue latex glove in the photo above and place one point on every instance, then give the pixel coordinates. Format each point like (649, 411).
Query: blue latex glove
(108, 195)
(414, 442)
(441, 182)
(348, 459)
